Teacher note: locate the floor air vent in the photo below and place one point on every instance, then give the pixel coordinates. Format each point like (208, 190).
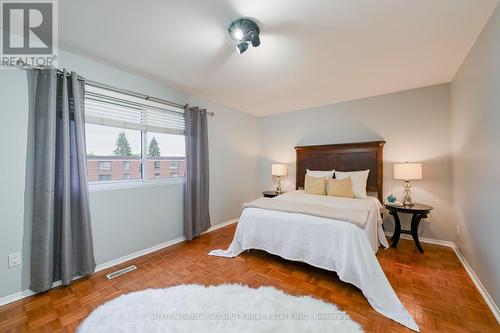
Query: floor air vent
(121, 272)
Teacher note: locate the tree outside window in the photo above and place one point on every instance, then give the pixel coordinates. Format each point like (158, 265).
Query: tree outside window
(122, 146)
(154, 148)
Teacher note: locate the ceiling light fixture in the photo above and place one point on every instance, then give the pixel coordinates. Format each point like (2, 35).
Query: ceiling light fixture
(244, 32)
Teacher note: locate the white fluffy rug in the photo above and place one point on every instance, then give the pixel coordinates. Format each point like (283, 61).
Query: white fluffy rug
(224, 308)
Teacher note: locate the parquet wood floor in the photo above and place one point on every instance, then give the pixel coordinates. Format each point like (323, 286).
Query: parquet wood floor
(434, 287)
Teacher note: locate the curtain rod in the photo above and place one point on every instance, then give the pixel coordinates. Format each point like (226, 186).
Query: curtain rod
(119, 90)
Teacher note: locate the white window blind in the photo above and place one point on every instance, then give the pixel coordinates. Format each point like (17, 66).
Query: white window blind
(110, 108)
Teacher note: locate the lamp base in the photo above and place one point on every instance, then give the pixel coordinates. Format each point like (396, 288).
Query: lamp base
(407, 202)
(407, 198)
(279, 190)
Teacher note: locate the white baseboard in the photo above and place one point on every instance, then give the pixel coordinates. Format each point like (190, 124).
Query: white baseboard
(484, 293)
(26, 293)
(425, 240)
(486, 296)
(220, 225)
(137, 254)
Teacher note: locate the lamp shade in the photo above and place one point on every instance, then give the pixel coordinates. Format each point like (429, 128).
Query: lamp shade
(407, 171)
(279, 170)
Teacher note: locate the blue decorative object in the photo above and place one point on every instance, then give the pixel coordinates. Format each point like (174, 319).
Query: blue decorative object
(391, 198)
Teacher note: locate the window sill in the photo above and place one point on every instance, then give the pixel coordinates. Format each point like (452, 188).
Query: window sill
(121, 185)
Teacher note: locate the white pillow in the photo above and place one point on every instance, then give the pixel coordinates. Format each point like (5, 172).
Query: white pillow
(359, 179)
(317, 173)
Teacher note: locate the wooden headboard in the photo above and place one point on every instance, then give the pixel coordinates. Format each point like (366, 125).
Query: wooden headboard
(343, 157)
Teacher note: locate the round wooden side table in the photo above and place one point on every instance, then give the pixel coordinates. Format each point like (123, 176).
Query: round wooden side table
(418, 212)
(270, 194)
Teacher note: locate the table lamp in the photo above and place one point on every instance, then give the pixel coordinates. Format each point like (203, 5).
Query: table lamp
(407, 171)
(279, 170)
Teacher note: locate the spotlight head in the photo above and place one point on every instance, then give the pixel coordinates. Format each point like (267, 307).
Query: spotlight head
(255, 39)
(238, 34)
(242, 47)
(244, 31)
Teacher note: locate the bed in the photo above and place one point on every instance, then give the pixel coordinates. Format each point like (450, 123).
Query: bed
(332, 244)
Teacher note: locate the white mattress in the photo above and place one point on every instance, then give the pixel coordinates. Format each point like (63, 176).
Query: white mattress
(325, 243)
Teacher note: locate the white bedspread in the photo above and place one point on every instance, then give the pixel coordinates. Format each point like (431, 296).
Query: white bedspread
(373, 230)
(325, 243)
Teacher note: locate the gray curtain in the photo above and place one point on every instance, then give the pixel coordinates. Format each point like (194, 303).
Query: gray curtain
(61, 246)
(196, 213)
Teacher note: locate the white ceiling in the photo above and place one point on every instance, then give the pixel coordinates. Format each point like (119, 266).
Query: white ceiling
(313, 52)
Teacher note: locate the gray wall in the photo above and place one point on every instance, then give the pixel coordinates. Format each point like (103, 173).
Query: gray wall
(475, 105)
(127, 220)
(13, 141)
(414, 123)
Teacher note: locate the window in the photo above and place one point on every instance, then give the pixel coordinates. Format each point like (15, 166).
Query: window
(174, 164)
(125, 133)
(163, 150)
(112, 152)
(105, 166)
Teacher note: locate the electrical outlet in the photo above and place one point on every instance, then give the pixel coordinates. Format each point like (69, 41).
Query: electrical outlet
(458, 229)
(14, 259)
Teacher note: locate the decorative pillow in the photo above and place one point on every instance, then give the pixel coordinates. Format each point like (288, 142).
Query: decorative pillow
(320, 173)
(340, 188)
(315, 185)
(317, 173)
(359, 179)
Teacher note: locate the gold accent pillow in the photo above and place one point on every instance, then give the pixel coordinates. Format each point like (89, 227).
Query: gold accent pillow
(340, 187)
(315, 185)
